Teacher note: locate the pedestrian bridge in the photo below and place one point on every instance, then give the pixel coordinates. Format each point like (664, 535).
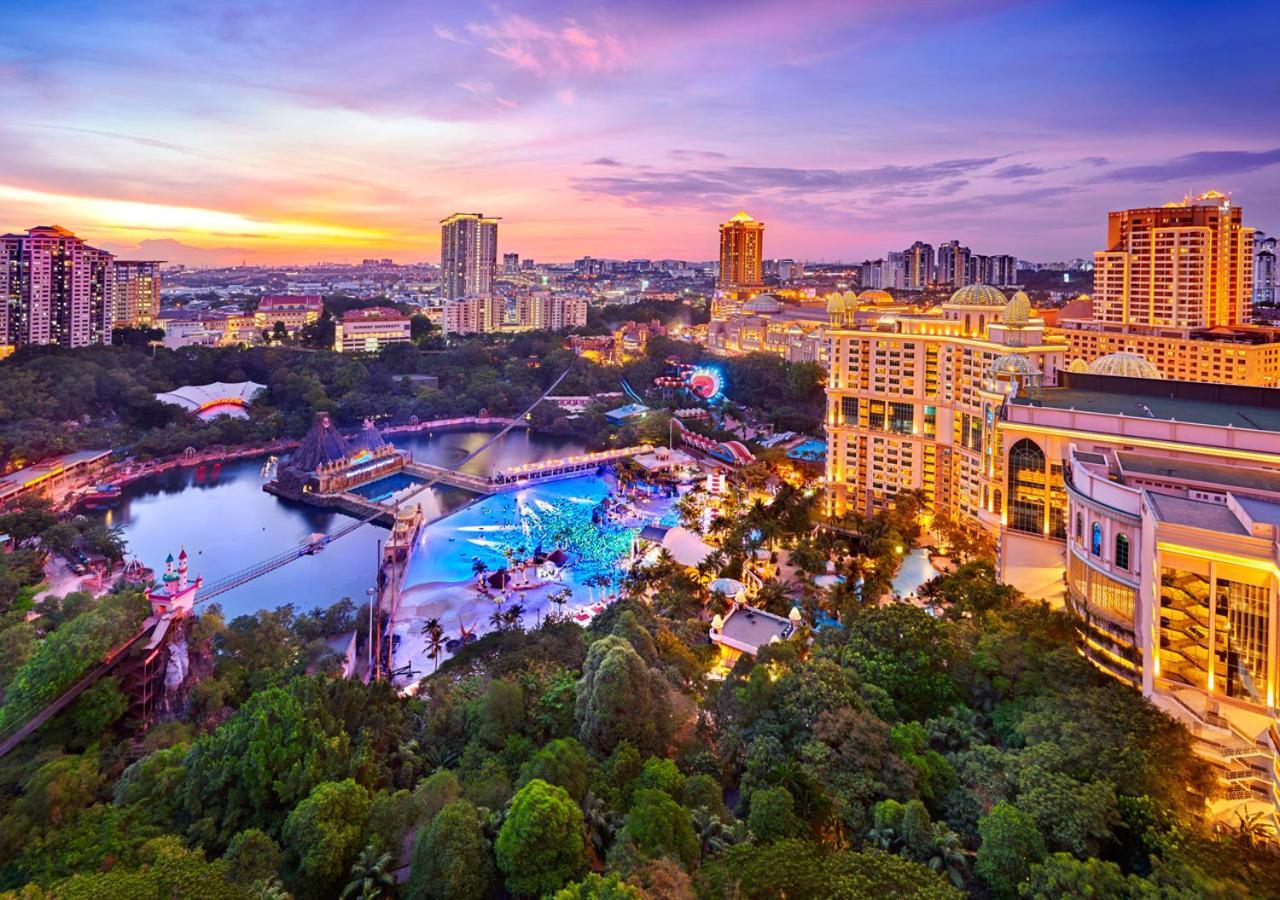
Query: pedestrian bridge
(514, 478)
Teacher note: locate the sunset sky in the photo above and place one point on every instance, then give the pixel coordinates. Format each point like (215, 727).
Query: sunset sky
(299, 131)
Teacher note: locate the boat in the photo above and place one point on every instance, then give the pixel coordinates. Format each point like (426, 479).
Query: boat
(103, 496)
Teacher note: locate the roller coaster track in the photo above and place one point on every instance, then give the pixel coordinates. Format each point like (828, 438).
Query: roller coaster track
(15, 734)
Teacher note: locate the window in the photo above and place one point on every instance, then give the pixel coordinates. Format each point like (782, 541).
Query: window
(1122, 551)
(849, 410)
(1027, 485)
(1095, 543)
(901, 418)
(1079, 528)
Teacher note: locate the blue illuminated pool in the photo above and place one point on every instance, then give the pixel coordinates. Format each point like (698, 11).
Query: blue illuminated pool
(809, 451)
(516, 525)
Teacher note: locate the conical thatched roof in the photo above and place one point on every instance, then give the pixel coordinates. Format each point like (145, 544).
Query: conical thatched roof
(369, 437)
(323, 443)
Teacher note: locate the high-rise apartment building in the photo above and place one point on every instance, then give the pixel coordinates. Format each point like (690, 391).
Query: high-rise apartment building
(953, 265)
(1187, 264)
(789, 270)
(475, 314)
(551, 312)
(1266, 277)
(511, 264)
(918, 266)
(54, 289)
(136, 294)
(741, 254)
(468, 254)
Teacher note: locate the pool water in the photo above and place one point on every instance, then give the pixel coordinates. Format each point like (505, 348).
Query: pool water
(520, 524)
(388, 488)
(810, 450)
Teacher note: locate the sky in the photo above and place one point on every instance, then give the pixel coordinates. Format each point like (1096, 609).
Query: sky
(308, 130)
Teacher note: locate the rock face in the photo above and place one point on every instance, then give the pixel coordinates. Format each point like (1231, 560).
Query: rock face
(175, 673)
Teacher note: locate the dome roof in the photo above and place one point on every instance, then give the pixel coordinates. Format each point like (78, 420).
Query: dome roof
(1012, 364)
(1078, 365)
(1127, 365)
(874, 296)
(835, 302)
(979, 295)
(763, 303)
(1017, 312)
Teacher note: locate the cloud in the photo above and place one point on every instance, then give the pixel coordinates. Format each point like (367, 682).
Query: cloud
(716, 185)
(604, 161)
(1095, 160)
(697, 154)
(1019, 170)
(448, 34)
(547, 50)
(1204, 164)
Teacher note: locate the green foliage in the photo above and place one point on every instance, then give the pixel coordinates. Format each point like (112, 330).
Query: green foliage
(561, 762)
(323, 835)
(773, 816)
(661, 775)
(596, 887)
(252, 856)
(1063, 877)
(96, 838)
(621, 699)
(435, 792)
(451, 857)
(902, 649)
(1011, 846)
(66, 654)
(799, 870)
(168, 870)
(498, 713)
(658, 827)
(540, 847)
(703, 792)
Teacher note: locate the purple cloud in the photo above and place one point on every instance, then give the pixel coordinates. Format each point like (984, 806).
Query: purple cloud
(1204, 164)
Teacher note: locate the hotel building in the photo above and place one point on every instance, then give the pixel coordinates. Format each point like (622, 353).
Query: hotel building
(369, 330)
(1151, 507)
(136, 292)
(741, 255)
(1185, 265)
(54, 289)
(468, 255)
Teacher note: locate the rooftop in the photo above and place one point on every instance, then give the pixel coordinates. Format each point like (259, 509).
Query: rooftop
(1230, 477)
(1150, 407)
(1196, 513)
(23, 478)
(753, 628)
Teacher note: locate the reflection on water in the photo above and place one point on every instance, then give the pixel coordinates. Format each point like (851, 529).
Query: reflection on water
(227, 522)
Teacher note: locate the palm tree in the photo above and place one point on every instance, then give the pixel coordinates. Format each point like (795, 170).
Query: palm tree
(479, 567)
(431, 625)
(602, 824)
(514, 615)
(1253, 829)
(435, 643)
(947, 854)
(371, 877)
(497, 620)
(714, 835)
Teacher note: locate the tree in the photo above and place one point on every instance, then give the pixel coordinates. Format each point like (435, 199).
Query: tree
(540, 847)
(620, 698)
(1063, 877)
(499, 712)
(435, 792)
(596, 887)
(561, 762)
(773, 816)
(323, 835)
(168, 869)
(251, 857)
(1011, 846)
(657, 827)
(371, 877)
(451, 857)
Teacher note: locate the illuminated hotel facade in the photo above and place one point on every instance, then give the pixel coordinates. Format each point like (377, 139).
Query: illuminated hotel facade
(135, 292)
(741, 255)
(1151, 507)
(54, 289)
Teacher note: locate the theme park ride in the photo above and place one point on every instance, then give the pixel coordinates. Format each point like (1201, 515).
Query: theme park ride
(147, 668)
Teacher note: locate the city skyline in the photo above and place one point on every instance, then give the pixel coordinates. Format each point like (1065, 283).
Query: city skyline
(260, 133)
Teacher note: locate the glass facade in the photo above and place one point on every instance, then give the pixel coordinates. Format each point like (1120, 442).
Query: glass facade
(1028, 480)
(1102, 596)
(1242, 618)
(1184, 626)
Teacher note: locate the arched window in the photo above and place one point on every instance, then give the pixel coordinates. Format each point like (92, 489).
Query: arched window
(1079, 528)
(998, 504)
(1027, 484)
(966, 323)
(1095, 543)
(982, 323)
(1122, 551)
